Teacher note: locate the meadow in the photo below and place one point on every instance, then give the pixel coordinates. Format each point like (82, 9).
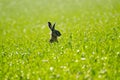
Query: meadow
(88, 49)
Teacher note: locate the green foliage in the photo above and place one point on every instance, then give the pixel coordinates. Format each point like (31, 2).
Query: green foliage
(89, 48)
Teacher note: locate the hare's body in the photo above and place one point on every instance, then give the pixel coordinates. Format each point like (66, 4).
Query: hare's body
(53, 39)
(54, 34)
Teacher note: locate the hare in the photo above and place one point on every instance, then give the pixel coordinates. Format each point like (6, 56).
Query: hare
(54, 33)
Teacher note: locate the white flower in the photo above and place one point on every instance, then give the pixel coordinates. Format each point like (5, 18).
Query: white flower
(83, 59)
(51, 68)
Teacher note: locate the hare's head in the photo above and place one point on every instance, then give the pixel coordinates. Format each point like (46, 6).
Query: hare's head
(54, 34)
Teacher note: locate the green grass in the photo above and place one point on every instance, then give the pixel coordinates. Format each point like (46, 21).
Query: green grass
(89, 48)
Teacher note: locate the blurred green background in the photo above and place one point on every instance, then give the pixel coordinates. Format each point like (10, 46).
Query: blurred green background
(89, 48)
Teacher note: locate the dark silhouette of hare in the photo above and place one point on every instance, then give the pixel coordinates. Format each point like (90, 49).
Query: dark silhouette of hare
(54, 34)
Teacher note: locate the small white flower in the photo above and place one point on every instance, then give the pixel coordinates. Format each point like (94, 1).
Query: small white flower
(103, 71)
(76, 61)
(78, 51)
(38, 53)
(93, 52)
(16, 52)
(63, 67)
(28, 76)
(99, 76)
(51, 68)
(86, 46)
(118, 53)
(39, 78)
(83, 59)
(44, 60)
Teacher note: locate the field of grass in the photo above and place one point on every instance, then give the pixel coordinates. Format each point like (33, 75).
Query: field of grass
(89, 48)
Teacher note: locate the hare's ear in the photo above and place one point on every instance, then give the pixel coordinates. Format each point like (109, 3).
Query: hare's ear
(50, 25)
(53, 28)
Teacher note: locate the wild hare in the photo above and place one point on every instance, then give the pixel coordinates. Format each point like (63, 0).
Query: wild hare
(54, 33)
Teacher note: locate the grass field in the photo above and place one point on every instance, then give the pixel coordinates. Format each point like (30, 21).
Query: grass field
(89, 48)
